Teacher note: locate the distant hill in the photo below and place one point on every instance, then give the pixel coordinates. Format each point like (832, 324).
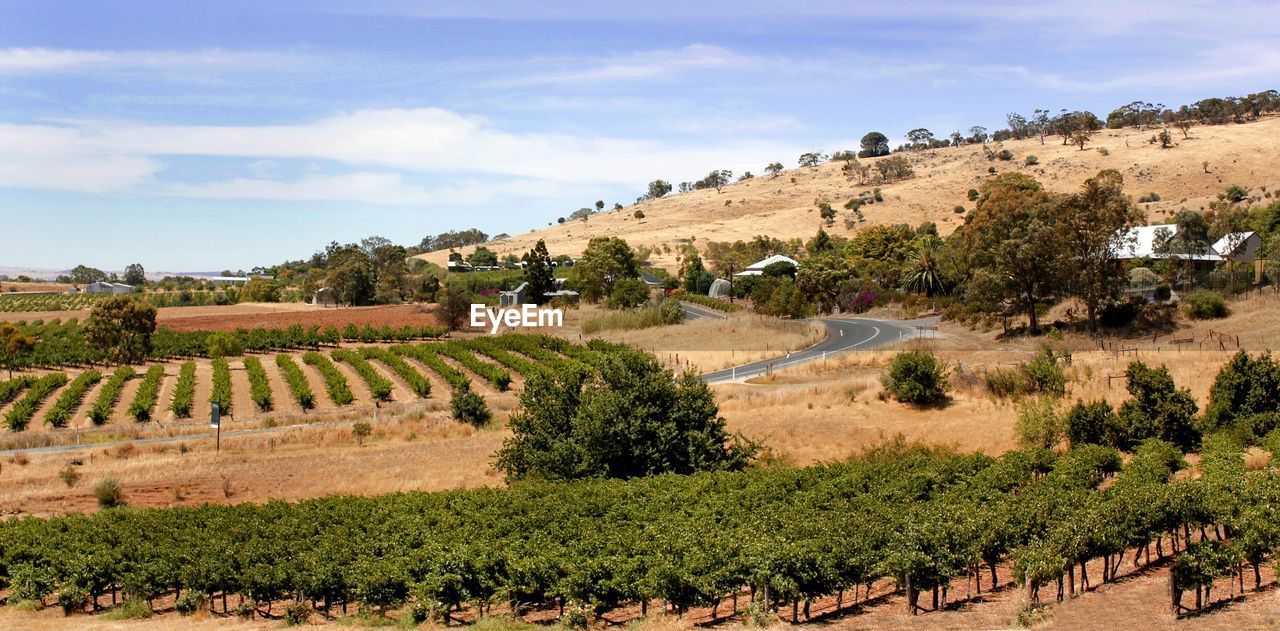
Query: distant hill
(1244, 154)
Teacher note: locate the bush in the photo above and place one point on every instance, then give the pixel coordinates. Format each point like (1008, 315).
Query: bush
(1005, 154)
(917, 377)
(470, 408)
(189, 603)
(297, 381)
(1091, 424)
(259, 387)
(1205, 305)
(1038, 425)
(973, 194)
(69, 475)
(1157, 409)
(1032, 161)
(628, 293)
(959, 210)
(361, 430)
(71, 598)
(109, 493)
(144, 401)
(1236, 193)
(660, 314)
(223, 345)
(184, 391)
(297, 613)
(1149, 198)
(221, 395)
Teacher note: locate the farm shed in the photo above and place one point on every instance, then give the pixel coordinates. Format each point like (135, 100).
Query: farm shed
(757, 268)
(108, 288)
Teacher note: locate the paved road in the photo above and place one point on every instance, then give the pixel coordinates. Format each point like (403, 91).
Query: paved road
(843, 335)
(695, 312)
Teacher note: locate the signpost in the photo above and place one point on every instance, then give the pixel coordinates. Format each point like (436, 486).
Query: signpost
(215, 423)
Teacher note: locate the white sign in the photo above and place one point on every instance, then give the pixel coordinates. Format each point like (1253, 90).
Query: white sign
(525, 316)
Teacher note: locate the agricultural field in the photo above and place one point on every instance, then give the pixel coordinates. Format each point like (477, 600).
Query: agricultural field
(28, 303)
(271, 384)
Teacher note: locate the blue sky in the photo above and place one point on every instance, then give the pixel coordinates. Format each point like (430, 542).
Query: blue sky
(195, 136)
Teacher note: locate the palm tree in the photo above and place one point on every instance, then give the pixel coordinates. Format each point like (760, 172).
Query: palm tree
(925, 275)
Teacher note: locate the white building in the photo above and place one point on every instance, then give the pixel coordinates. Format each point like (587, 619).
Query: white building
(1141, 242)
(104, 287)
(757, 268)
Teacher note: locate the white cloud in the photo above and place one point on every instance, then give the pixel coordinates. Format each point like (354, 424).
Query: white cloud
(645, 65)
(480, 160)
(49, 60)
(41, 156)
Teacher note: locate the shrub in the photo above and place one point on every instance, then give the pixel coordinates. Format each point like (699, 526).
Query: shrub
(1205, 305)
(660, 314)
(71, 598)
(1038, 425)
(1006, 382)
(1156, 409)
(109, 493)
(223, 345)
(1005, 154)
(297, 613)
(917, 377)
(189, 603)
(959, 210)
(1032, 161)
(69, 475)
(628, 293)
(1091, 423)
(1149, 198)
(361, 430)
(470, 408)
(1236, 193)
(973, 194)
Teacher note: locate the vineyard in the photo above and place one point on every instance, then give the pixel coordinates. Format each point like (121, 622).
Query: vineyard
(764, 542)
(61, 343)
(454, 362)
(10, 303)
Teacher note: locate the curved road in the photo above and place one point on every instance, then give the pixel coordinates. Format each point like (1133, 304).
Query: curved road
(843, 334)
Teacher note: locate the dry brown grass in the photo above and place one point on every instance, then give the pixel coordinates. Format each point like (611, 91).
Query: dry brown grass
(1237, 154)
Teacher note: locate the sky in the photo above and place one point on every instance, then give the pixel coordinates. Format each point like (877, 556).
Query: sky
(202, 135)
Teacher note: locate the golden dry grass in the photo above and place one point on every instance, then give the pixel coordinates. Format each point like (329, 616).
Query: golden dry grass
(1237, 154)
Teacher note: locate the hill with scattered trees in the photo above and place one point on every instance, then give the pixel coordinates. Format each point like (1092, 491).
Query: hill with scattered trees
(1169, 158)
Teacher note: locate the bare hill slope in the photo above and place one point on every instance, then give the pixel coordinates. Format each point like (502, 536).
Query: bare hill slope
(786, 206)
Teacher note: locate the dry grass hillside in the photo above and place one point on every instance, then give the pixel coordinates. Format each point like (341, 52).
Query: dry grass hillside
(785, 206)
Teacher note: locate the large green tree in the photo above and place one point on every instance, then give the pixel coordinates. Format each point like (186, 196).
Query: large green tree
(628, 417)
(15, 347)
(538, 272)
(1090, 228)
(605, 261)
(135, 275)
(1012, 234)
(121, 327)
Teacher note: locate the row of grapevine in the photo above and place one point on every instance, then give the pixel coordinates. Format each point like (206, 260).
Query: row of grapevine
(19, 302)
(496, 375)
(20, 414)
(9, 390)
(259, 387)
(334, 381)
(912, 519)
(297, 381)
(379, 386)
(487, 347)
(110, 393)
(184, 393)
(428, 357)
(144, 400)
(221, 395)
(60, 414)
(64, 344)
(419, 384)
